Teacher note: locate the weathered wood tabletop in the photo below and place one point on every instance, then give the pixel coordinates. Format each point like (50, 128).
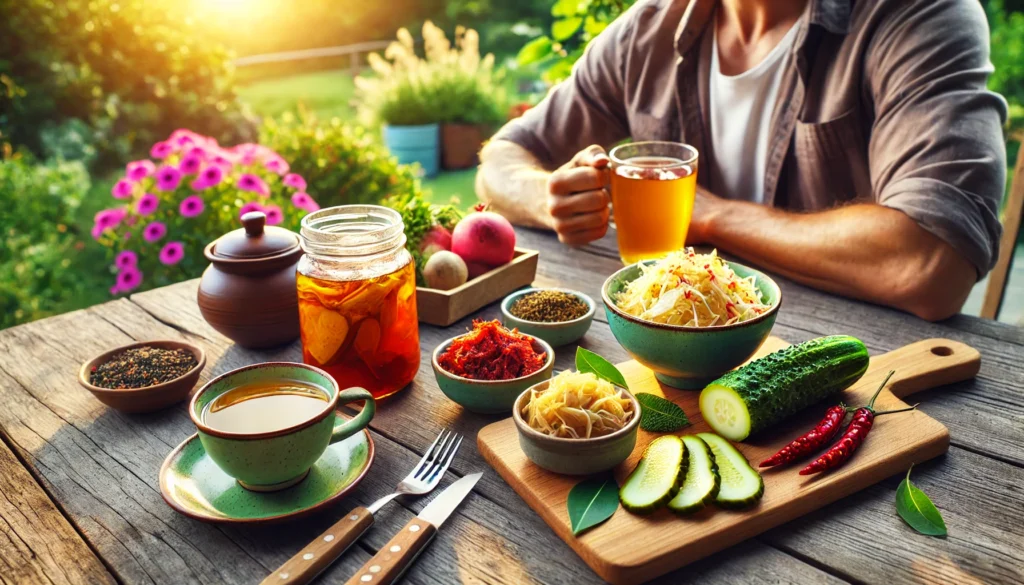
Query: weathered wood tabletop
(80, 501)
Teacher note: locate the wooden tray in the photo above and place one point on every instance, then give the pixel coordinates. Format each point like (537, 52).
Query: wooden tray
(631, 549)
(444, 307)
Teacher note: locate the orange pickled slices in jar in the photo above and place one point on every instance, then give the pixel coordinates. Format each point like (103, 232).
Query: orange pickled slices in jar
(362, 332)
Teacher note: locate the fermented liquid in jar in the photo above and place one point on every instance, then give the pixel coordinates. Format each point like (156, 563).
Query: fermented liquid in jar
(653, 185)
(357, 298)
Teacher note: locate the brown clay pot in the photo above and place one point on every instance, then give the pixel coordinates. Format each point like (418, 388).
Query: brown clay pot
(248, 291)
(460, 145)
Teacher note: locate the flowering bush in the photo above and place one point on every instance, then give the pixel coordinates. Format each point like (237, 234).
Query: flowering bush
(187, 194)
(450, 84)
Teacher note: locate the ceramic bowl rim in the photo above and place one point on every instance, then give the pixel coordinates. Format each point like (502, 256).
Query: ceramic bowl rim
(507, 303)
(548, 364)
(524, 428)
(195, 350)
(371, 452)
(332, 404)
(770, 313)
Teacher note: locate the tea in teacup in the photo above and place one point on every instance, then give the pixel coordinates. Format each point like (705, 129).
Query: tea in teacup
(265, 406)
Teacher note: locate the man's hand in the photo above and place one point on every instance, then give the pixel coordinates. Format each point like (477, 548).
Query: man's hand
(705, 206)
(578, 197)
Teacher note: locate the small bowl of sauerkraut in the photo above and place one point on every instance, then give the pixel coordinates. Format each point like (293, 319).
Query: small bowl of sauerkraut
(576, 423)
(690, 317)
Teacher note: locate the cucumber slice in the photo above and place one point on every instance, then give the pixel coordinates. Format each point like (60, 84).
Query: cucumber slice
(701, 482)
(657, 477)
(725, 411)
(741, 485)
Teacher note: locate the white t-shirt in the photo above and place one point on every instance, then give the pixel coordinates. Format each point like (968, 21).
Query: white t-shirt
(741, 112)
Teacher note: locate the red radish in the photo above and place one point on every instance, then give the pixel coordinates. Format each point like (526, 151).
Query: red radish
(484, 238)
(435, 240)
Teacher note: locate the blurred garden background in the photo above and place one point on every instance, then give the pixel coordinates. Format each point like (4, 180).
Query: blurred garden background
(134, 132)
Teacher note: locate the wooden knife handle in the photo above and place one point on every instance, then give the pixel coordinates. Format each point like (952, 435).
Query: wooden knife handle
(319, 554)
(926, 364)
(395, 557)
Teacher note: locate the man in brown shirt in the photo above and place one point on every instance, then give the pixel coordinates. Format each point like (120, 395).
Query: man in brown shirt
(883, 158)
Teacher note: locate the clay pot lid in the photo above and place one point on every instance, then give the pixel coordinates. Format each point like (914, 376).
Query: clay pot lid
(254, 241)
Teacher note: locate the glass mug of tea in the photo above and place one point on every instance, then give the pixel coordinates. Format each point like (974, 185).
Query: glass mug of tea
(653, 185)
(267, 424)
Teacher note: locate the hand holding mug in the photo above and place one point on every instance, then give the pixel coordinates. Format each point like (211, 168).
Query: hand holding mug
(578, 197)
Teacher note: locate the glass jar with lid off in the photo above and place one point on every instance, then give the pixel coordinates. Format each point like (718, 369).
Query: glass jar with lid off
(357, 298)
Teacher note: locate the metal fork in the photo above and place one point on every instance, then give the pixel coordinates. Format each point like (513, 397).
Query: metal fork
(319, 554)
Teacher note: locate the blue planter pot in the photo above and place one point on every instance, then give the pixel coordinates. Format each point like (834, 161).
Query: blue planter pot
(415, 144)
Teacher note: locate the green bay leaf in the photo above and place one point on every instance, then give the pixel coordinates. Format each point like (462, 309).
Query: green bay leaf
(591, 502)
(917, 510)
(659, 415)
(588, 361)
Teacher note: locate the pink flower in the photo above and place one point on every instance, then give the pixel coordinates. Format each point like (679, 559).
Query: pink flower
(107, 219)
(154, 231)
(184, 138)
(128, 279)
(274, 214)
(254, 184)
(190, 164)
(161, 150)
(168, 178)
(172, 253)
(191, 206)
(126, 259)
(115, 290)
(220, 159)
(250, 206)
(295, 181)
(122, 189)
(140, 169)
(304, 201)
(147, 204)
(277, 165)
(210, 176)
(127, 235)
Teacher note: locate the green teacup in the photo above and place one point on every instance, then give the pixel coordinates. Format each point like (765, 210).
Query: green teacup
(277, 459)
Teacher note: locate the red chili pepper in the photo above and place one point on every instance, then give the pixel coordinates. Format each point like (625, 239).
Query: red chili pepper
(856, 432)
(813, 440)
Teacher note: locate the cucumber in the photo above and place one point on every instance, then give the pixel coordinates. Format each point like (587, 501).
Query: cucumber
(700, 486)
(767, 390)
(657, 477)
(741, 485)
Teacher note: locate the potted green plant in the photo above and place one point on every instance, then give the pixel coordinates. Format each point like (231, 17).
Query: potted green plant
(402, 95)
(473, 95)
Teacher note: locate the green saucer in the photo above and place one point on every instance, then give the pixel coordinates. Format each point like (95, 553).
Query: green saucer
(194, 485)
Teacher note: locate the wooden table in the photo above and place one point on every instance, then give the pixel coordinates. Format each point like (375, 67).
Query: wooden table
(80, 502)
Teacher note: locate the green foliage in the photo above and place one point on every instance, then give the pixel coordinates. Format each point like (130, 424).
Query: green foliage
(450, 84)
(576, 23)
(1007, 51)
(341, 163)
(128, 71)
(40, 243)
(420, 216)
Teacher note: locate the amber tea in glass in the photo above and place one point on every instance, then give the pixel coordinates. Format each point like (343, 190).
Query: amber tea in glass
(653, 185)
(357, 298)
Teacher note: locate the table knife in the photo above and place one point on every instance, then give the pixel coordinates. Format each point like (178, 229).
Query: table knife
(392, 560)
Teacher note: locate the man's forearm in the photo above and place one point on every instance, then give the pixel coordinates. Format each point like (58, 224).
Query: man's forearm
(512, 182)
(867, 251)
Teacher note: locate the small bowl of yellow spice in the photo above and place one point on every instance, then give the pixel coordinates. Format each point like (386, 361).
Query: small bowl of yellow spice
(576, 423)
(559, 316)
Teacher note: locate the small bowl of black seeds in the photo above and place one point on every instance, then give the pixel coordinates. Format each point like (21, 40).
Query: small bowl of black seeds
(143, 377)
(559, 316)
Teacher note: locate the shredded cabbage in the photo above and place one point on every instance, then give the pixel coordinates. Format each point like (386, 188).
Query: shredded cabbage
(577, 406)
(691, 290)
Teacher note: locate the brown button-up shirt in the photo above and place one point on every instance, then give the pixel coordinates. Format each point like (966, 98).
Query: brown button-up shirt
(881, 101)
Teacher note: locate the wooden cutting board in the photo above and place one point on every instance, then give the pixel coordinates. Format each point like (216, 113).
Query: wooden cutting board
(631, 549)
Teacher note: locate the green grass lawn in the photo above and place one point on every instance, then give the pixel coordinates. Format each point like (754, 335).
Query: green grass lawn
(329, 94)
